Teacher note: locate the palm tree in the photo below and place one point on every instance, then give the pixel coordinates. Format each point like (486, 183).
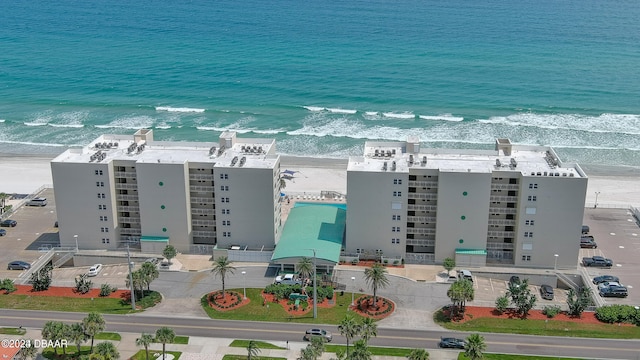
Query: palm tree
(145, 340)
(92, 325)
(349, 327)
(77, 335)
(29, 351)
(165, 335)
(369, 329)
(376, 277)
(305, 268)
(418, 354)
(360, 351)
(52, 331)
(107, 350)
(460, 292)
(138, 283)
(475, 347)
(149, 273)
(317, 343)
(3, 197)
(252, 349)
(222, 266)
(307, 353)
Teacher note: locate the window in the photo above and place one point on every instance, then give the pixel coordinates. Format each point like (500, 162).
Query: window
(397, 193)
(359, 251)
(103, 218)
(395, 228)
(224, 188)
(533, 186)
(226, 211)
(100, 183)
(529, 222)
(526, 257)
(104, 229)
(528, 234)
(224, 176)
(105, 240)
(395, 217)
(224, 200)
(226, 222)
(378, 251)
(532, 198)
(530, 211)
(226, 234)
(102, 207)
(397, 181)
(395, 241)
(98, 172)
(101, 196)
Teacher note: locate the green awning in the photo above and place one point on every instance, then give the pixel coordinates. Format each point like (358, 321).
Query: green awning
(471, 251)
(155, 238)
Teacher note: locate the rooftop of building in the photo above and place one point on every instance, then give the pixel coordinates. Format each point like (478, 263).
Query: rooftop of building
(142, 148)
(405, 156)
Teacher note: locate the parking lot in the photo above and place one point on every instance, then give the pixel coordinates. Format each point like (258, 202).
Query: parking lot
(487, 290)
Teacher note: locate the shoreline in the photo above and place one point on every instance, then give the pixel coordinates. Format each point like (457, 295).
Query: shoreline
(614, 186)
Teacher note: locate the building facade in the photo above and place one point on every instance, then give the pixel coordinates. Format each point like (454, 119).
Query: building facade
(514, 206)
(133, 191)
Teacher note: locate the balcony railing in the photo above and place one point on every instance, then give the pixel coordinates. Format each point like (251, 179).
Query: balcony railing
(427, 196)
(203, 222)
(431, 184)
(121, 197)
(422, 207)
(503, 222)
(121, 186)
(512, 199)
(421, 242)
(421, 219)
(499, 246)
(428, 231)
(202, 188)
(502, 210)
(502, 234)
(420, 258)
(203, 211)
(202, 200)
(130, 231)
(128, 208)
(201, 177)
(204, 234)
(124, 174)
(128, 220)
(505, 187)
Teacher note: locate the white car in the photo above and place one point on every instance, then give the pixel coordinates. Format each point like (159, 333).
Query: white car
(94, 270)
(607, 284)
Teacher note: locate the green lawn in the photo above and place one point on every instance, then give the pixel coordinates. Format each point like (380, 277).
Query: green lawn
(71, 352)
(12, 331)
(141, 355)
(183, 340)
(516, 357)
(261, 344)
(378, 351)
(244, 357)
(542, 327)
(108, 336)
(51, 303)
(255, 311)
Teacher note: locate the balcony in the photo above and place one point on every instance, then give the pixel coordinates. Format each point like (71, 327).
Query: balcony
(121, 197)
(429, 184)
(125, 174)
(422, 207)
(421, 219)
(201, 177)
(505, 187)
(421, 242)
(426, 231)
(502, 210)
(203, 211)
(130, 231)
(204, 234)
(499, 246)
(512, 199)
(202, 188)
(426, 196)
(502, 222)
(202, 200)
(203, 222)
(121, 186)
(502, 234)
(128, 208)
(128, 220)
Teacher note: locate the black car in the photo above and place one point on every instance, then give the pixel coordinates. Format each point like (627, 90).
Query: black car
(18, 265)
(614, 291)
(3, 232)
(546, 292)
(605, 278)
(452, 343)
(8, 223)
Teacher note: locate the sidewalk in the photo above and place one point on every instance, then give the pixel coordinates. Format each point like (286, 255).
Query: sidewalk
(200, 348)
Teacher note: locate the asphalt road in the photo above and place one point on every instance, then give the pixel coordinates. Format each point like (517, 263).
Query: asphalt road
(583, 348)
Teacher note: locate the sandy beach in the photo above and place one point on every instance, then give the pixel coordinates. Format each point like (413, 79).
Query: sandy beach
(616, 186)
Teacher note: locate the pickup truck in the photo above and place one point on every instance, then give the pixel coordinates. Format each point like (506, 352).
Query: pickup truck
(597, 261)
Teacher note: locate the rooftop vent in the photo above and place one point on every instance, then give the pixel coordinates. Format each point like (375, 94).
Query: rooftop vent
(242, 161)
(234, 161)
(514, 163)
(393, 166)
(377, 153)
(498, 163)
(384, 166)
(212, 150)
(411, 159)
(424, 160)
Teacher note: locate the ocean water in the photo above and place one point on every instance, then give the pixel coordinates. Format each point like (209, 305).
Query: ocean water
(324, 76)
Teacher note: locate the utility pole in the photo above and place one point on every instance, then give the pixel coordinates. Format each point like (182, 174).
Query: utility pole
(315, 291)
(133, 294)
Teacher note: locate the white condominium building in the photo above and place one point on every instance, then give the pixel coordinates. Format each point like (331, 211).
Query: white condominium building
(518, 205)
(131, 190)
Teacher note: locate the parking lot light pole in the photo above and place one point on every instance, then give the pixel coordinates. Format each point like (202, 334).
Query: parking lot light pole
(595, 205)
(353, 290)
(133, 294)
(555, 263)
(244, 284)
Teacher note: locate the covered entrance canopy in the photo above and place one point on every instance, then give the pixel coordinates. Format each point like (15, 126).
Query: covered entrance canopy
(153, 244)
(471, 257)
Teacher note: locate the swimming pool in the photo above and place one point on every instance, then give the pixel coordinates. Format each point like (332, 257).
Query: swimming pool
(302, 203)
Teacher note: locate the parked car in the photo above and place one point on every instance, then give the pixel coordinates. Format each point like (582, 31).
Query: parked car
(288, 279)
(18, 265)
(587, 242)
(597, 261)
(3, 232)
(546, 292)
(317, 332)
(452, 343)
(604, 278)
(614, 291)
(39, 201)
(585, 229)
(607, 284)
(8, 223)
(94, 270)
(465, 275)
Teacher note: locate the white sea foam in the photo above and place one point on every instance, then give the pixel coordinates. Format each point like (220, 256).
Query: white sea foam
(31, 143)
(66, 125)
(35, 123)
(442, 117)
(341, 111)
(314, 108)
(605, 123)
(404, 115)
(133, 122)
(163, 126)
(2, 120)
(179, 109)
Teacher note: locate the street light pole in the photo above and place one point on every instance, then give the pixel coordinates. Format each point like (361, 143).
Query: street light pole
(555, 263)
(244, 284)
(353, 290)
(76, 238)
(133, 294)
(315, 291)
(595, 205)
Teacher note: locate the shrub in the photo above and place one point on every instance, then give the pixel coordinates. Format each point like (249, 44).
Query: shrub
(617, 314)
(396, 262)
(7, 285)
(83, 285)
(106, 290)
(551, 311)
(355, 262)
(502, 303)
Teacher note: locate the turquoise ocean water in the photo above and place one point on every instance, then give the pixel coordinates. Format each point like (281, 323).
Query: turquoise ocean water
(323, 76)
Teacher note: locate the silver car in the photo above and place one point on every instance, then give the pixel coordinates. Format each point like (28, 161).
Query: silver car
(318, 332)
